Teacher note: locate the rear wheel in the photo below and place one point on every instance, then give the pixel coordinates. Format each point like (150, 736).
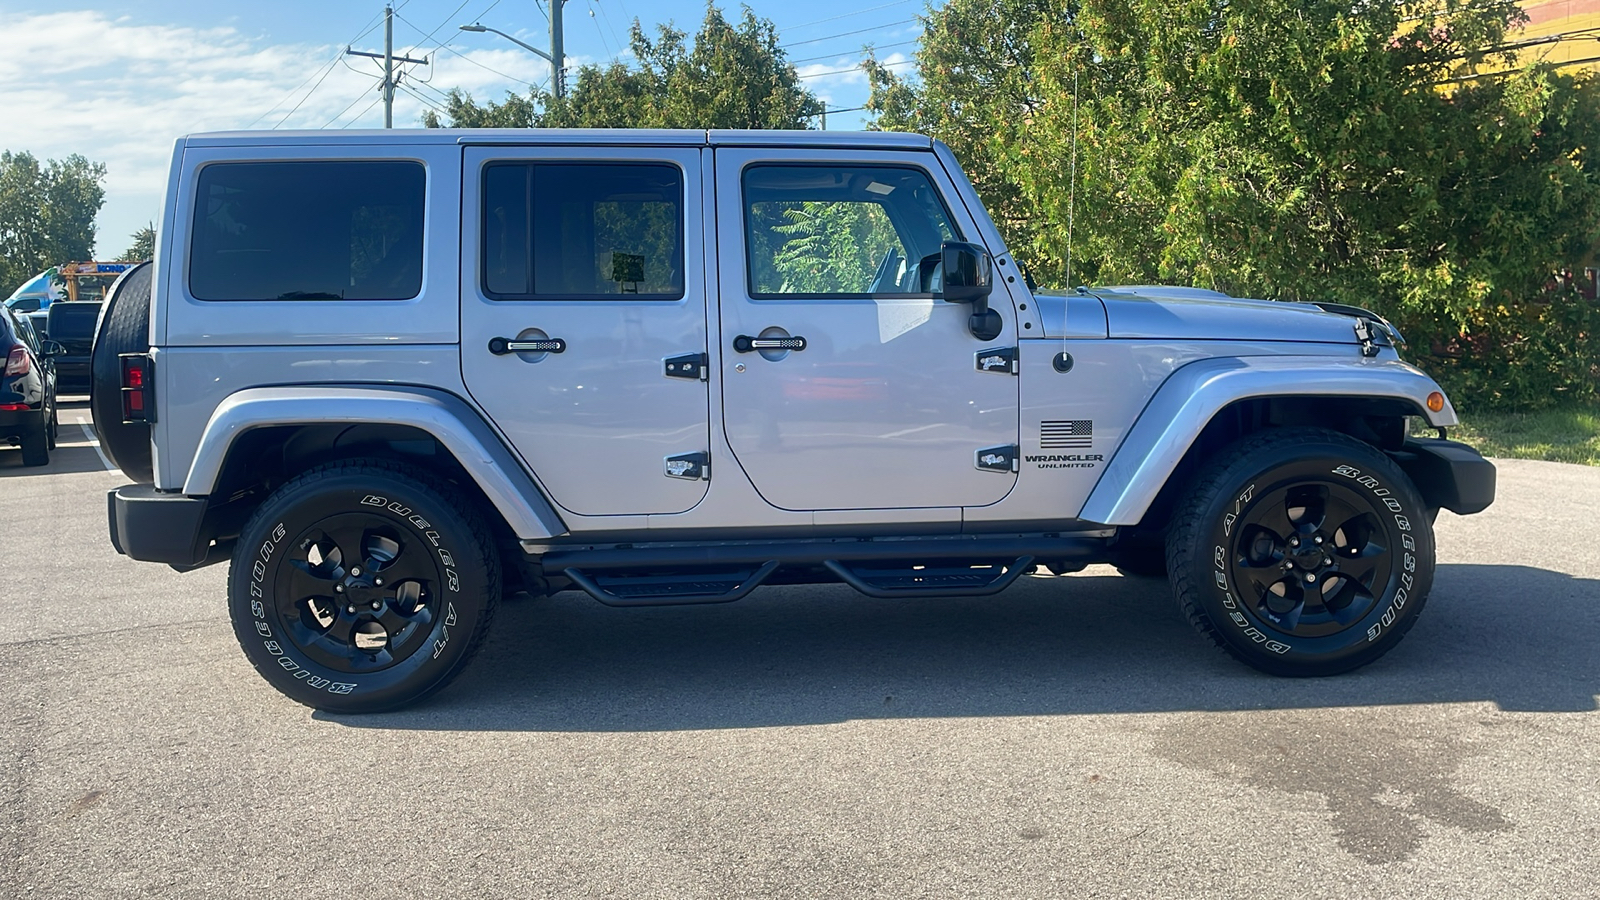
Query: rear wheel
(361, 587)
(1302, 552)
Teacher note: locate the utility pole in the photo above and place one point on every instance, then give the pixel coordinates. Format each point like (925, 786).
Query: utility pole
(390, 76)
(558, 56)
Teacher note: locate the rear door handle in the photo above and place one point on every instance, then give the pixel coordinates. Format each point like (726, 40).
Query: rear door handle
(501, 346)
(744, 343)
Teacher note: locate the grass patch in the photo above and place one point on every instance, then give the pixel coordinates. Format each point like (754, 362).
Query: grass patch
(1569, 435)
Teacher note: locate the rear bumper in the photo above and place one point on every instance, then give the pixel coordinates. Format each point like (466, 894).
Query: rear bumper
(153, 526)
(20, 422)
(73, 374)
(1450, 475)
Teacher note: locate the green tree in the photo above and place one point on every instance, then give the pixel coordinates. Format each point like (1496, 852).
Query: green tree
(1295, 149)
(732, 76)
(46, 213)
(144, 245)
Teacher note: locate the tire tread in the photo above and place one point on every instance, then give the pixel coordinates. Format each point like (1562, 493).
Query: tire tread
(478, 530)
(1187, 523)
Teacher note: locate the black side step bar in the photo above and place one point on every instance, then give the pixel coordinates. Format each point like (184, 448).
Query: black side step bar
(664, 593)
(917, 583)
(1048, 547)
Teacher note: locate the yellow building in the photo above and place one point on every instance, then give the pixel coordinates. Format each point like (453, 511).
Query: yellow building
(1570, 29)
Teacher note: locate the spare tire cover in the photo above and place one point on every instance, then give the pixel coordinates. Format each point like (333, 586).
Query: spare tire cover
(124, 327)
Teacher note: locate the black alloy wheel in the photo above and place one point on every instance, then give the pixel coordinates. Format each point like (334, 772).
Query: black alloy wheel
(362, 586)
(1302, 551)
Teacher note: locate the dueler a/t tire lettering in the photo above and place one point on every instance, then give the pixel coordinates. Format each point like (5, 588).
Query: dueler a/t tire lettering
(1302, 552)
(362, 586)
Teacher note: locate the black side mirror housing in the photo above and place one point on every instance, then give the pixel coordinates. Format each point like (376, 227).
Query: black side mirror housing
(969, 278)
(52, 348)
(968, 272)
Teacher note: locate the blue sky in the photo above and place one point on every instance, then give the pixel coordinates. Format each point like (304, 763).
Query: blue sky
(118, 81)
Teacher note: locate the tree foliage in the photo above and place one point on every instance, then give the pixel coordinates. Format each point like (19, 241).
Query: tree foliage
(1294, 149)
(46, 213)
(732, 76)
(144, 245)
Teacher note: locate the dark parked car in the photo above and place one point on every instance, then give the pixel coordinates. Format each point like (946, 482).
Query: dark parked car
(72, 326)
(27, 389)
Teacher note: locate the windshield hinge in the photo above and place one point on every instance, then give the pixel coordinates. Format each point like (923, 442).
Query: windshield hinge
(1369, 347)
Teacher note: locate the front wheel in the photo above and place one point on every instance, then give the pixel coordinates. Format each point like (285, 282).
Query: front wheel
(1302, 552)
(362, 586)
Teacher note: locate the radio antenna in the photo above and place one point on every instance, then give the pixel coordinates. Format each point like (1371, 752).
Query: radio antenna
(1072, 187)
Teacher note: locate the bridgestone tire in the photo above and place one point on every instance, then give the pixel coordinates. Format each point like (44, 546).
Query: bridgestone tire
(124, 327)
(1309, 513)
(320, 557)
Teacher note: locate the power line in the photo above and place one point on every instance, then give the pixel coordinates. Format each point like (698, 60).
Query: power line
(903, 62)
(484, 67)
(597, 30)
(841, 55)
(440, 45)
(847, 33)
(350, 107)
(371, 24)
(325, 73)
(421, 99)
(429, 35)
(360, 114)
(612, 28)
(845, 15)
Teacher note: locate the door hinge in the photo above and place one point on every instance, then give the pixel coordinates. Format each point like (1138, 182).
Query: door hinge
(998, 359)
(997, 459)
(689, 365)
(689, 466)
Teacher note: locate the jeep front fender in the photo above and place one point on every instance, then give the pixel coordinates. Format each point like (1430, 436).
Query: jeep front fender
(444, 416)
(1189, 398)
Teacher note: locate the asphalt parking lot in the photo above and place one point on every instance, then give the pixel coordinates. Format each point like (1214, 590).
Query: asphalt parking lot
(1069, 738)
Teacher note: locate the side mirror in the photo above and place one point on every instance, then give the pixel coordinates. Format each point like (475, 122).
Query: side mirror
(969, 278)
(968, 272)
(52, 349)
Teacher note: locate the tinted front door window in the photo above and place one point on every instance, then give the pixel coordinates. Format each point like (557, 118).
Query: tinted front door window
(855, 231)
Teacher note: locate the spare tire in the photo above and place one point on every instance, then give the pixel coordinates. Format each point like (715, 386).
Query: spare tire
(124, 327)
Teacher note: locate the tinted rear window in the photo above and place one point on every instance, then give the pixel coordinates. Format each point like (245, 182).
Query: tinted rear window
(308, 231)
(578, 231)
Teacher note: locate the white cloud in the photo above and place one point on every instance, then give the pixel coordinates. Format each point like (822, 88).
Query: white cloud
(829, 79)
(145, 85)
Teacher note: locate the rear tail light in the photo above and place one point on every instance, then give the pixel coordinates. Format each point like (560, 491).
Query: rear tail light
(17, 362)
(138, 387)
(13, 407)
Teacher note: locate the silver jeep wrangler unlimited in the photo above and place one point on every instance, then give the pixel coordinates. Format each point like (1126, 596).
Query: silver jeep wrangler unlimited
(394, 375)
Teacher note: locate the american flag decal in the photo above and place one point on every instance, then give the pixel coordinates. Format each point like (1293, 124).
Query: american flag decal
(1074, 434)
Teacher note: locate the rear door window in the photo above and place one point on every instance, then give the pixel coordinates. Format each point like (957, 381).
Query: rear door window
(308, 231)
(580, 231)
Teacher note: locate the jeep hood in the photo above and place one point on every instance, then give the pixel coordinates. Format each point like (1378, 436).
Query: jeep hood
(1154, 312)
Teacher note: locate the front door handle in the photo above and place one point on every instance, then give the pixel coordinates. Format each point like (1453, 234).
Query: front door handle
(744, 343)
(501, 346)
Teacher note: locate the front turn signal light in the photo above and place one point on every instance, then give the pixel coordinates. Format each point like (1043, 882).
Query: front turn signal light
(1435, 402)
